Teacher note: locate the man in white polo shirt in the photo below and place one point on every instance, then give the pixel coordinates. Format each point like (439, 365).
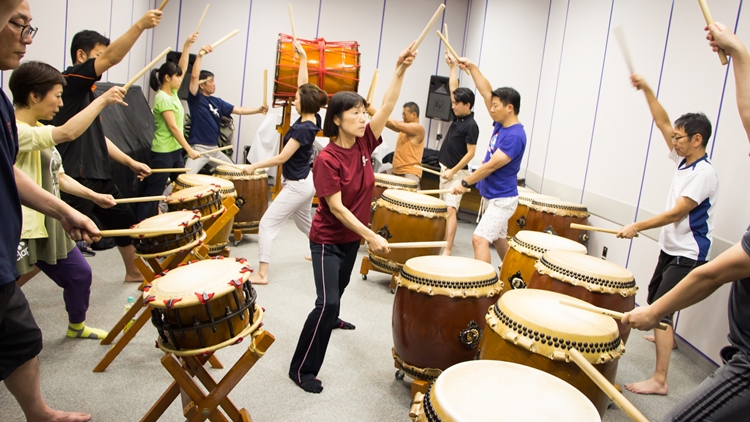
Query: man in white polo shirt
(687, 223)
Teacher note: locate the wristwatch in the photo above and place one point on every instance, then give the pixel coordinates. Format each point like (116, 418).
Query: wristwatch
(464, 184)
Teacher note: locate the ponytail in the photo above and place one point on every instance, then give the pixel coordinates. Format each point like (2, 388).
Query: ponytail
(153, 80)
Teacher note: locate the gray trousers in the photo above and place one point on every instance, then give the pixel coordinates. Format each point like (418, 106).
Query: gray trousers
(196, 165)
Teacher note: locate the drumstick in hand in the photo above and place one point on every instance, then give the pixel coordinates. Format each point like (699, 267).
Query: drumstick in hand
(709, 21)
(436, 173)
(224, 163)
(603, 311)
(140, 199)
(291, 20)
(171, 170)
(163, 4)
(373, 85)
(437, 191)
(413, 245)
(148, 67)
(220, 41)
(620, 35)
(435, 17)
(215, 150)
(200, 22)
(265, 89)
(142, 231)
(594, 229)
(452, 51)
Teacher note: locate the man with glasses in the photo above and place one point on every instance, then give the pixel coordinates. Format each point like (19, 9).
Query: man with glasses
(687, 224)
(20, 337)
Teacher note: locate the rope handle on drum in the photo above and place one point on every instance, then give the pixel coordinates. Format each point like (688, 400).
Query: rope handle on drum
(253, 347)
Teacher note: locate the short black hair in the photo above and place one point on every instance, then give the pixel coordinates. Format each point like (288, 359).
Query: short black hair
(86, 40)
(340, 102)
(693, 123)
(464, 95)
(311, 98)
(157, 75)
(33, 77)
(508, 95)
(412, 107)
(205, 74)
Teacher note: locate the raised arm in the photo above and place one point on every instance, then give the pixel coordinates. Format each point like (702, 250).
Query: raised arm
(78, 124)
(483, 85)
(661, 119)
(411, 129)
(302, 76)
(195, 76)
(453, 79)
(377, 123)
(185, 56)
(120, 47)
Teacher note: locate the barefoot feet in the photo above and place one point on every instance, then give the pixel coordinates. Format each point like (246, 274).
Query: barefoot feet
(650, 386)
(257, 278)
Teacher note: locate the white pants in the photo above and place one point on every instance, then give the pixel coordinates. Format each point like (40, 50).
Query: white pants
(295, 199)
(494, 222)
(450, 199)
(196, 165)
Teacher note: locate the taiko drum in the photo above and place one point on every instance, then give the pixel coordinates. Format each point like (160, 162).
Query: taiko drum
(253, 188)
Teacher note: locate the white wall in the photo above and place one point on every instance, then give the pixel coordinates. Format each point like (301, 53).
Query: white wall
(590, 134)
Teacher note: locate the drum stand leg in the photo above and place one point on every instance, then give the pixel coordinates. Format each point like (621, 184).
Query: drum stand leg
(205, 406)
(419, 386)
(237, 236)
(366, 267)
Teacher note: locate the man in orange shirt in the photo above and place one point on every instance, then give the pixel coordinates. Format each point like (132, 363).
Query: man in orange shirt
(409, 145)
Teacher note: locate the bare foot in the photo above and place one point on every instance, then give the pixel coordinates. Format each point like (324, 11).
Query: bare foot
(650, 386)
(59, 416)
(652, 339)
(256, 278)
(308, 257)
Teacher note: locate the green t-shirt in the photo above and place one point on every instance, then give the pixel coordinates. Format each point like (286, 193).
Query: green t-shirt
(163, 139)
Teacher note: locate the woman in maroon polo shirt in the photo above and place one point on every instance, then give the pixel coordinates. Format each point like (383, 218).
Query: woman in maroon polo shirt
(344, 180)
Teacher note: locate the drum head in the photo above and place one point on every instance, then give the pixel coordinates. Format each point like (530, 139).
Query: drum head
(588, 266)
(224, 170)
(526, 198)
(449, 268)
(191, 193)
(407, 198)
(168, 220)
(524, 189)
(388, 180)
(184, 286)
(537, 243)
(559, 207)
(225, 187)
(490, 390)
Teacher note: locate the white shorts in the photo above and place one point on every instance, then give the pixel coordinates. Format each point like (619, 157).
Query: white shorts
(494, 222)
(450, 199)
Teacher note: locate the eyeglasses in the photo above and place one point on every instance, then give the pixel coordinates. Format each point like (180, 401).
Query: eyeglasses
(677, 138)
(26, 30)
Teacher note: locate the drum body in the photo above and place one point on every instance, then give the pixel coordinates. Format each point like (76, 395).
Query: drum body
(520, 393)
(162, 245)
(204, 199)
(532, 328)
(389, 181)
(253, 188)
(593, 280)
(555, 216)
(203, 304)
(518, 221)
(332, 65)
(526, 247)
(438, 312)
(403, 216)
(225, 188)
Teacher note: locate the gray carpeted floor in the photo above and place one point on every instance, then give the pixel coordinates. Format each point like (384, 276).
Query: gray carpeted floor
(358, 373)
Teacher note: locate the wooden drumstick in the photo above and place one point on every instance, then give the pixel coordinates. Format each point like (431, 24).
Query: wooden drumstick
(437, 173)
(606, 386)
(594, 229)
(200, 22)
(435, 17)
(411, 245)
(163, 4)
(603, 311)
(224, 163)
(373, 85)
(141, 231)
(620, 35)
(709, 21)
(452, 51)
(147, 68)
(291, 20)
(216, 150)
(220, 41)
(140, 199)
(437, 191)
(171, 170)
(265, 89)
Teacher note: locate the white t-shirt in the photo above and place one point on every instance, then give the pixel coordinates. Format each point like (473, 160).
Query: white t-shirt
(691, 237)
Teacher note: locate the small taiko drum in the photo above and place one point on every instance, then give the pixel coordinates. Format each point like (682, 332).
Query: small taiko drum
(554, 216)
(225, 188)
(438, 312)
(517, 222)
(593, 280)
(526, 247)
(533, 328)
(403, 216)
(253, 188)
(205, 199)
(514, 392)
(204, 305)
(332, 65)
(389, 181)
(162, 245)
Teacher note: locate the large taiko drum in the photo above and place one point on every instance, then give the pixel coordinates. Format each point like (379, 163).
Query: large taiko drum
(438, 312)
(517, 222)
(593, 280)
(403, 216)
(554, 216)
(204, 305)
(526, 247)
(163, 245)
(488, 390)
(253, 188)
(332, 65)
(225, 188)
(532, 328)
(204, 199)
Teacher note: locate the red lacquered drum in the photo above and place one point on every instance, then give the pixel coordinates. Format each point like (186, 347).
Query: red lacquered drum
(438, 312)
(517, 222)
(526, 247)
(332, 65)
(532, 328)
(225, 188)
(487, 390)
(593, 280)
(253, 188)
(403, 216)
(163, 245)
(389, 181)
(554, 216)
(203, 306)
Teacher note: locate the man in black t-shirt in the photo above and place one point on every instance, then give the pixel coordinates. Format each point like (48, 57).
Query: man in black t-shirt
(87, 158)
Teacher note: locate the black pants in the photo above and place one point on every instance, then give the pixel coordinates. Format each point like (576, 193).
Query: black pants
(155, 184)
(669, 271)
(118, 217)
(332, 268)
(20, 337)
